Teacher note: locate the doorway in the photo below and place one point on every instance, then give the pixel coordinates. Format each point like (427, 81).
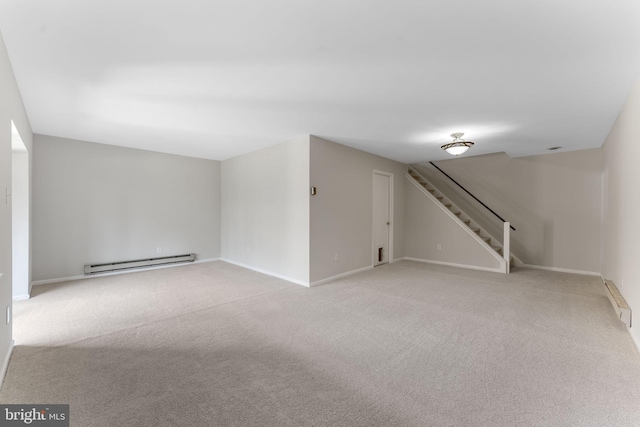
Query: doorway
(382, 217)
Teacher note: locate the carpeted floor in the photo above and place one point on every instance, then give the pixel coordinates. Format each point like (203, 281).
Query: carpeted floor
(405, 344)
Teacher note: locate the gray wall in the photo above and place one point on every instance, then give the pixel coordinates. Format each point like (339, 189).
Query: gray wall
(11, 108)
(265, 210)
(342, 211)
(554, 201)
(621, 252)
(97, 203)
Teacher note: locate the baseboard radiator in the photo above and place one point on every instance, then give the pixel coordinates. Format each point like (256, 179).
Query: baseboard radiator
(138, 263)
(619, 303)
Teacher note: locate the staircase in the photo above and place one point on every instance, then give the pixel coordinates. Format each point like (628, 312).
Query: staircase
(491, 242)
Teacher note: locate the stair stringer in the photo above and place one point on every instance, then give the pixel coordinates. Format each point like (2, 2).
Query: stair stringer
(495, 244)
(502, 263)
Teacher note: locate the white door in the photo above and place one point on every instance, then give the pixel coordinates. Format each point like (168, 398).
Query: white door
(381, 217)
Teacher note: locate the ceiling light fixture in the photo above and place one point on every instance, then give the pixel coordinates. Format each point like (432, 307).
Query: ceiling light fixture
(458, 146)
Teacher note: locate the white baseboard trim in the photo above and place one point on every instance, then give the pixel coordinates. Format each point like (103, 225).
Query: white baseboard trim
(21, 297)
(341, 275)
(115, 273)
(62, 279)
(5, 363)
(452, 264)
(267, 272)
(561, 270)
(198, 261)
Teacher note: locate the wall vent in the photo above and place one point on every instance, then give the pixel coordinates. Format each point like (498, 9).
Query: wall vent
(138, 263)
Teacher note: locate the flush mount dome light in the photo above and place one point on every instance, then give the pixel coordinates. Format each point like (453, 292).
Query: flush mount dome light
(458, 146)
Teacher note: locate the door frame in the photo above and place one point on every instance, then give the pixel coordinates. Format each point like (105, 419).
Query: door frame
(391, 218)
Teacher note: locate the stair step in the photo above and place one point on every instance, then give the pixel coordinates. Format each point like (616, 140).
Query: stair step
(439, 197)
(448, 205)
(466, 221)
(476, 230)
(487, 239)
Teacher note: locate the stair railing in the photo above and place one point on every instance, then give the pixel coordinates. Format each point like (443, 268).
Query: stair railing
(475, 198)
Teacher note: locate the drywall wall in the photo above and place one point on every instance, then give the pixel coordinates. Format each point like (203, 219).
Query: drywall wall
(96, 203)
(621, 251)
(20, 224)
(11, 109)
(342, 210)
(265, 210)
(553, 201)
(432, 235)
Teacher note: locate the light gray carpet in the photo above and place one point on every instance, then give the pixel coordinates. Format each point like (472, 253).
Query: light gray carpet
(406, 344)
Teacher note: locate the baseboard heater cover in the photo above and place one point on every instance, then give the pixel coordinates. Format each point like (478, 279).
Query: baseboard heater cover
(138, 263)
(619, 303)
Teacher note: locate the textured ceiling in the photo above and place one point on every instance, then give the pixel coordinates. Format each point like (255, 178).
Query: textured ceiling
(216, 79)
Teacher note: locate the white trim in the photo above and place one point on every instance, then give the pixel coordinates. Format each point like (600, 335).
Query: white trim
(21, 297)
(462, 225)
(341, 275)
(5, 363)
(67, 279)
(561, 270)
(115, 273)
(391, 212)
(198, 261)
(452, 264)
(267, 272)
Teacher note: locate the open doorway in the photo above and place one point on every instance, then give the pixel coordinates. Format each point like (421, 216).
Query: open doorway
(19, 215)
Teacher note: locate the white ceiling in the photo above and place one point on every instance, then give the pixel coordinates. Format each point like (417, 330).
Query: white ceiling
(216, 79)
